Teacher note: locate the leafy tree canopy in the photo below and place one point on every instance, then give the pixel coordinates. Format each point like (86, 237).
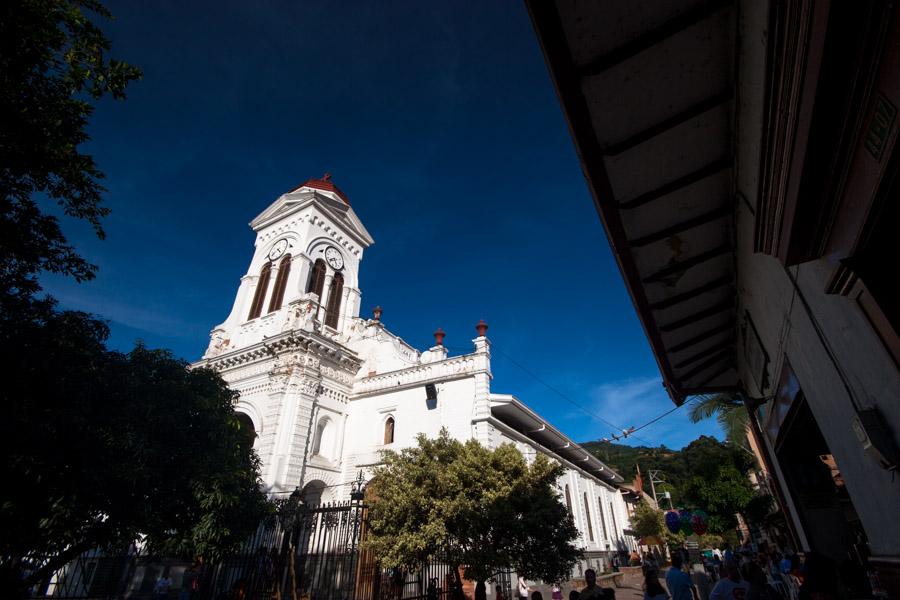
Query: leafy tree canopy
(486, 510)
(706, 474)
(99, 447)
(647, 521)
(53, 62)
(102, 447)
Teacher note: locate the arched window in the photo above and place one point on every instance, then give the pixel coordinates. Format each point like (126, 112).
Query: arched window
(603, 534)
(246, 428)
(587, 517)
(284, 269)
(317, 441)
(317, 278)
(333, 311)
(568, 500)
(615, 531)
(260, 296)
(389, 430)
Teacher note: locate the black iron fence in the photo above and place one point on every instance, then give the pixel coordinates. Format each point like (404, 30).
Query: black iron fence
(306, 553)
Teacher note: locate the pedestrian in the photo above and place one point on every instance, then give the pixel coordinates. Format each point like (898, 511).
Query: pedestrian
(498, 593)
(653, 589)
(731, 586)
(679, 583)
(161, 589)
(591, 591)
(556, 592)
(759, 585)
(574, 595)
(820, 580)
(701, 581)
(523, 589)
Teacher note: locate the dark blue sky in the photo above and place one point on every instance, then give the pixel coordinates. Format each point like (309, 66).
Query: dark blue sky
(438, 120)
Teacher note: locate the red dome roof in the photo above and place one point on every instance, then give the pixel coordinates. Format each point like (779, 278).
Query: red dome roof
(324, 184)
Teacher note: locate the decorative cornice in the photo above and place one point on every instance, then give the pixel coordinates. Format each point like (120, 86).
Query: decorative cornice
(314, 343)
(457, 367)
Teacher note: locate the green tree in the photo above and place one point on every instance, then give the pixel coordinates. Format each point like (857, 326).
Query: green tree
(101, 448)
(53, 63)
(647, 521)
(484, 510)
(729, 411)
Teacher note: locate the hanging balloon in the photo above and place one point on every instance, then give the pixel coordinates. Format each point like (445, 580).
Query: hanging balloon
(700, 521)
(673, 521)
(685, 517)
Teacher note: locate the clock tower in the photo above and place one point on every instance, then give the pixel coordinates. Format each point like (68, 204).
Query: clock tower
(283, 346)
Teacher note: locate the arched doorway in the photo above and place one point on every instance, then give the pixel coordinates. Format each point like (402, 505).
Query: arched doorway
(315, 493)
(247, 428)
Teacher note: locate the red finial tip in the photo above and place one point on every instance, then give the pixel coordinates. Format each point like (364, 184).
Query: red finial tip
(481, 328)
(326, 177)
(439, 336)
(376, 313)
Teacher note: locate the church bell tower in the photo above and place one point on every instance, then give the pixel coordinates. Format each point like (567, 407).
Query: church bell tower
(282, 345)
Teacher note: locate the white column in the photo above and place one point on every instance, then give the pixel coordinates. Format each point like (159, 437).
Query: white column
(297, 280)
(326, 292)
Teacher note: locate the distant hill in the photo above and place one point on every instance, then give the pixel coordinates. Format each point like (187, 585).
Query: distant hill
(676, 466)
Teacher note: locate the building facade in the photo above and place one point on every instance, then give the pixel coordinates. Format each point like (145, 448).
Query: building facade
(324, 390)
(743, 159)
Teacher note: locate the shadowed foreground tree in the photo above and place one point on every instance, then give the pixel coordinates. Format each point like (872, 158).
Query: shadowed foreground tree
(480, 509)
(99, 447)
(102, 447)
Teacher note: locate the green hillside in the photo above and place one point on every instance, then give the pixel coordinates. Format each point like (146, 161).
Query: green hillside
(704, 474)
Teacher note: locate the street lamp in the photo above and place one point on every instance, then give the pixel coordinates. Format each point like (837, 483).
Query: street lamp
(358, 488)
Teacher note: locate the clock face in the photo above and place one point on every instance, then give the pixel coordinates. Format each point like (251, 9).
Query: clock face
(278, 249)
(334, 258)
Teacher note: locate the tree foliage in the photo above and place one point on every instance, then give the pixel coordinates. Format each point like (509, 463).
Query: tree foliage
(102, 447)
(729, 411)
(52, 64)
(705, 474)
(647, 521)
(485, 510)
(99, 447)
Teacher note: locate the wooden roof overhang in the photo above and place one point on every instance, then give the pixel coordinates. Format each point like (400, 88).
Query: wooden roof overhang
(648, 91)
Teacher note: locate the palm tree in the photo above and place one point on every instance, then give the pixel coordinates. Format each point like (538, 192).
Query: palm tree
(729, 411)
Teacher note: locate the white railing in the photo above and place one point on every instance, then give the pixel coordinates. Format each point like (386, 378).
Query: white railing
(451, 367)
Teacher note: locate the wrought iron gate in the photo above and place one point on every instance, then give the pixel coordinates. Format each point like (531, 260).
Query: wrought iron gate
(303, 553)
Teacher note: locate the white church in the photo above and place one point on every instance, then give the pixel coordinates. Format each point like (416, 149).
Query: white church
(325, 390)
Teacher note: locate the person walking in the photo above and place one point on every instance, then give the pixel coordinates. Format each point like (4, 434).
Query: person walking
(679, 583)
(161, 589)
(653, 589)
(556, 592)
(731, 586)
(523, 589)
(591, 591)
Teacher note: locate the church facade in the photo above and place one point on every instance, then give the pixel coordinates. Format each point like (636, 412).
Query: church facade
(326, 390)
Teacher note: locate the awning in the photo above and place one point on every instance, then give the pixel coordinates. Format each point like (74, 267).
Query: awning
(648, 91)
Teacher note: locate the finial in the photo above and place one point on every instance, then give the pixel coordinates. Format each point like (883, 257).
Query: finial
(481, 327)
(439, 336)
(376, 313)
(326, 176)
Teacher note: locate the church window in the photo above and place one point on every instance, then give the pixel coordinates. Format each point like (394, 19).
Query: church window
(612, 512)
(603, 534)
(317, 278)
(587, 517)
(284, 269)
(333, 310)
(322, 440)
(568, 500)
(389, 430)
(260, 296)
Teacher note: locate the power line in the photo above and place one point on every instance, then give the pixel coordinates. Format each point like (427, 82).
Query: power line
(567, 399)
(625, 432)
